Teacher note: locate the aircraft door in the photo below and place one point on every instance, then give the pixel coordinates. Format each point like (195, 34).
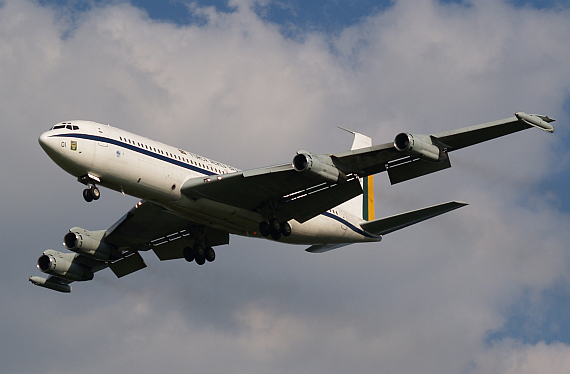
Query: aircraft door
(343, 216)
(101, 150)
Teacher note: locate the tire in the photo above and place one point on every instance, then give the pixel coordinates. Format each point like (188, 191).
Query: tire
(210, 254)
(276, 235)
(199, 255)
(95, 193)
(188, 254)
(274, 226)
(87, 195)
(264, 228)
(285, 228)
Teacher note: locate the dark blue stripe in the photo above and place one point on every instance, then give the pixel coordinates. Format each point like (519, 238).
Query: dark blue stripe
(136, 149)
(351, 226)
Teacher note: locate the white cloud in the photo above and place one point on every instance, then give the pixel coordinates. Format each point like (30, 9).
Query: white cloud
(511, 357)
(236, 90)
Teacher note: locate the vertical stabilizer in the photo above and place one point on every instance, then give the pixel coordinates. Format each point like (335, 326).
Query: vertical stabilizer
(361, 206)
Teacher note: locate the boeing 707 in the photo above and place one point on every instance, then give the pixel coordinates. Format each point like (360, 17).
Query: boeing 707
(190, 204)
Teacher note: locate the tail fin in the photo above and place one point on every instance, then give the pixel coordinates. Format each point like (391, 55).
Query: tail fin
(361, 206)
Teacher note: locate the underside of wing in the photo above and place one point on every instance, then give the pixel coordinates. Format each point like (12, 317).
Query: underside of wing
(467, 136)
(146, 226)
(150, 226)
(287, 193)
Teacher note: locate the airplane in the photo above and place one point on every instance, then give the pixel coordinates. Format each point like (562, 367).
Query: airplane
(190, 204)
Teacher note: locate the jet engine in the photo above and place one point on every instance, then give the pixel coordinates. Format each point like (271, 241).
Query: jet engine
(420, 146)
(318, 166)
(62, 265)
(88, 243)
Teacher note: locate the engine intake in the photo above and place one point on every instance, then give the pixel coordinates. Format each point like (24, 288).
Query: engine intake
(318, 166)
(420, 146)
(62, 265)
(88, 243)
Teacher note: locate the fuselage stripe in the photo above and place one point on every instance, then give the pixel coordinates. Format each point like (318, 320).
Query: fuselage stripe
(136, 149)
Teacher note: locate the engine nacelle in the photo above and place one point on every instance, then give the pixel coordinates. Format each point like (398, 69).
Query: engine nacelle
(62, 265)
(88, 243)
(420, 146)
(318, 166)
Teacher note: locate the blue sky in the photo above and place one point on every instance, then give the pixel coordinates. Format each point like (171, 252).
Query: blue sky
(484, 289)
(327, 16)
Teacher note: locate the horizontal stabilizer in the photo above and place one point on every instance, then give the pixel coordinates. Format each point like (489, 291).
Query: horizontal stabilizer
(320, 248)
(389, 224)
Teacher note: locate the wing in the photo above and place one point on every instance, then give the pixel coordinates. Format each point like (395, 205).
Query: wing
(150, 226)
(146, 226)
(281, 189)
(291, 193)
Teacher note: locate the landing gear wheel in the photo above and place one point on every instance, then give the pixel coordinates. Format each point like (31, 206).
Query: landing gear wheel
(210, 254)
(264, 228)
(95, 193)
(88, 195)
(275, 228)
(199, 255)
(274, 225)
(188, 254)
(285, 228)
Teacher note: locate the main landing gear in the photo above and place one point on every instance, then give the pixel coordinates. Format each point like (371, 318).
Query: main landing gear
(199, 254)
(275, 228)
(91, 193)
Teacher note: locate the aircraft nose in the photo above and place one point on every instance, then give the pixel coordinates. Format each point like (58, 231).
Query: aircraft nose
(49, 144)
(43, 140)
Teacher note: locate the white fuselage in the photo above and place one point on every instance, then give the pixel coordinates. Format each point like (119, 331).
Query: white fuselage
(154, 171)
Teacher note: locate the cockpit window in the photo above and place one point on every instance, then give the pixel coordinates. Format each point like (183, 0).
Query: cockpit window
(68, 126)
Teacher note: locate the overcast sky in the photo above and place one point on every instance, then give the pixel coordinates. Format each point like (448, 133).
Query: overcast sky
(484, 289)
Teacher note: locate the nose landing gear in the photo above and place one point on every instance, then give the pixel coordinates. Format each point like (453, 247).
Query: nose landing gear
(91, 193)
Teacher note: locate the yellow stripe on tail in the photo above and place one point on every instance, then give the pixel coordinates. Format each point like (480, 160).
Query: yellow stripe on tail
(368, 200)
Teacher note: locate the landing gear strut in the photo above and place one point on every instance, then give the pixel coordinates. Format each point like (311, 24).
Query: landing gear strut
(275, 228)
(91, 193)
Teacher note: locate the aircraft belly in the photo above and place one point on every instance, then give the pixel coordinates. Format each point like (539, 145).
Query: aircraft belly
(323, 230)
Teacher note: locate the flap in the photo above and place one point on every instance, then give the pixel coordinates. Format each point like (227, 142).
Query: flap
(142, 224)
(128, 265)
(312, 204)
(413, 168)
